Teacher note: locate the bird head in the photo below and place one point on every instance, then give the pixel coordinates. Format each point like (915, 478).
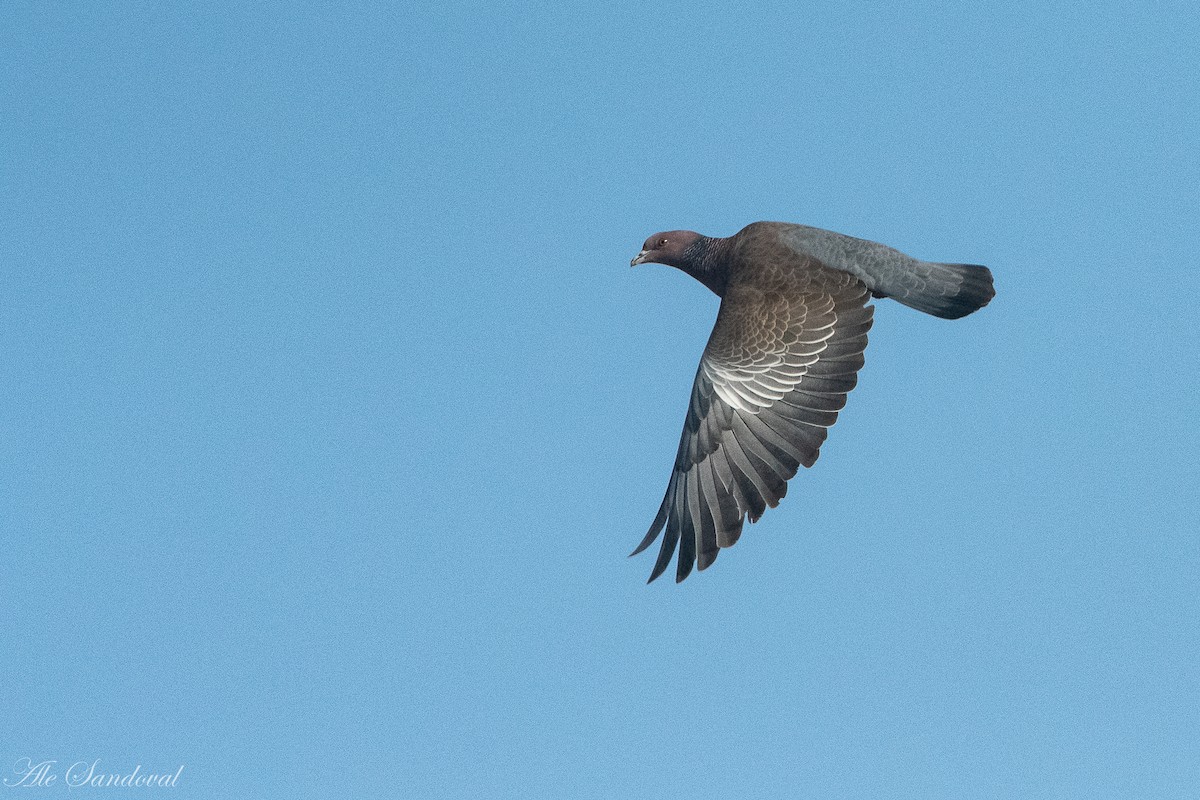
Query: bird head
(666, 248)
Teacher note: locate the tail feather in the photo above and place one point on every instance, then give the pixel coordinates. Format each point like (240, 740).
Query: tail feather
(948, 291)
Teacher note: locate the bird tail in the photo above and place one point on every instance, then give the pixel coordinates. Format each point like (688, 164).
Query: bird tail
(948, 291)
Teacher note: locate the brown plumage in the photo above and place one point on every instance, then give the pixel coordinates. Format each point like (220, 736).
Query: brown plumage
(786, 348)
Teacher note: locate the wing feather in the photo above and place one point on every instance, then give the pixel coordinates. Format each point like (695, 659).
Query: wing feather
(772, 380)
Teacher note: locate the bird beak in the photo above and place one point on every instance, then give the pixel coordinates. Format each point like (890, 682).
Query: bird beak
(640, 258)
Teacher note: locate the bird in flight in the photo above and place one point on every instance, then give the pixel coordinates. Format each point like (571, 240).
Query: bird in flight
(786, 348)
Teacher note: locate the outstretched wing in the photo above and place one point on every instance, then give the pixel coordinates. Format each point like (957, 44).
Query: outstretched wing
(772, 379)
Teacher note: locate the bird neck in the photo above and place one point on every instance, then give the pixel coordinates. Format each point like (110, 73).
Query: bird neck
(706, 260)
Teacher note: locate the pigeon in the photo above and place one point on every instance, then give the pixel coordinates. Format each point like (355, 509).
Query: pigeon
(784, 352)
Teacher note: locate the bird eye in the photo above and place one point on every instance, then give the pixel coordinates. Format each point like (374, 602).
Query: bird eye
(662, 242)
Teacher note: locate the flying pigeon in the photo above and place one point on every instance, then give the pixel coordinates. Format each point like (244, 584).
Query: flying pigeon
(786, 348)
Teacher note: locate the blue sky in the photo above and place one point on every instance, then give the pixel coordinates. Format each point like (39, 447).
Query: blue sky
(331, 408)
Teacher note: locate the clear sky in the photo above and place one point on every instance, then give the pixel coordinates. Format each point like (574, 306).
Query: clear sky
(330, 406)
